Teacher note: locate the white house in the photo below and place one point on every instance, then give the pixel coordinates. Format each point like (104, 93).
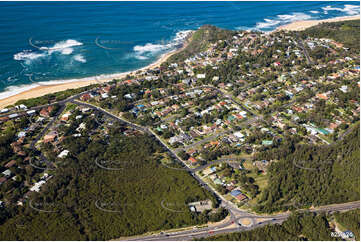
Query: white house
(36, 187)
(63, 154)
(343, 89)
(21, 134)
(201, 75)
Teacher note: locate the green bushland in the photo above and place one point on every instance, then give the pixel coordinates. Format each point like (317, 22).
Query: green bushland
(52, 97)
(351, 221)
(200, 40)
(346, 32)
(299, 226)
(135, 193)
(308, 175)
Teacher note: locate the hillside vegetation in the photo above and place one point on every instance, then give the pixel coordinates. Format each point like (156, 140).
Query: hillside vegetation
(86, 202)
(346, 32)
(307, 175)
(351, 221)
(200, 40)
(303, 226)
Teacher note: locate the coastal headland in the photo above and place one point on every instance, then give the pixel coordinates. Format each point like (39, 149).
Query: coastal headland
(46, 89)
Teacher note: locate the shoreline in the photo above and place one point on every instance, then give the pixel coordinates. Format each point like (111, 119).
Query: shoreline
(41, 90)
(304, 24)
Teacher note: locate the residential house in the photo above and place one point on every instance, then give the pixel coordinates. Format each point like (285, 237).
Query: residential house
(63, 154)
(50, 137)
(322, 96)
(192, 160)
(10, 164)
(6, 173)
(3, 180)
(238, 195)
(45, 112)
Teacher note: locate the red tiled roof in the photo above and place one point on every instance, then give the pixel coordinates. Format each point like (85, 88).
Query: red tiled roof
(10, 163)
(241, 197)
(3, 179)
(192, 160)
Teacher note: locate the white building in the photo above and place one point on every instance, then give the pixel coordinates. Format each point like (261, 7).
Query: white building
(63, 154)
(201, 75)
(36, 187)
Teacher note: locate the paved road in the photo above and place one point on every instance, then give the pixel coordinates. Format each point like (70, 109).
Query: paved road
(106, 113)
(43, 132)
(226, 228)
(227, 160)
(173, 154)
(345, 133)
(300, 43)
(135, 126)
(235, 213)
(229, 97)
(62, 102)
(205, 140)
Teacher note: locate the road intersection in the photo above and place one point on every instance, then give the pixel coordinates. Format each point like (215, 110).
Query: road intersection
(231, 223)
(235, 214)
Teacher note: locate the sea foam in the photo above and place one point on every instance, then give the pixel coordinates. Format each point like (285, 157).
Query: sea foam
(13, 90)
(348, 9)
(27, 55)
(294, 17)
(79, 58)
(62, 47)
(151, 48)
(267, 24)
(281, 19)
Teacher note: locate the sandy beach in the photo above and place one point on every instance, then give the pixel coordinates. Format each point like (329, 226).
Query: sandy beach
(46, 89)
(302, 25)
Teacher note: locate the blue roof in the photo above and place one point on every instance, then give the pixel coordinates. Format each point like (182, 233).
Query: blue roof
(235, 193)
(140, 106)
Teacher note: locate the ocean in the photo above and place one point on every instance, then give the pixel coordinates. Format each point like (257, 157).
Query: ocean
(52, 42)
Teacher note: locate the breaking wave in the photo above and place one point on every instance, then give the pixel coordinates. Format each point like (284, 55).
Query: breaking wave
(268, 23)
(348, 9)
(271, 23)
(27, 55)
(150, 48)
(281, 19)
(79, 58)
(62, 47)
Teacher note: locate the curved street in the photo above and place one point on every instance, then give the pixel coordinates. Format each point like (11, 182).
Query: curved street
(235, 214)
(230, 224)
